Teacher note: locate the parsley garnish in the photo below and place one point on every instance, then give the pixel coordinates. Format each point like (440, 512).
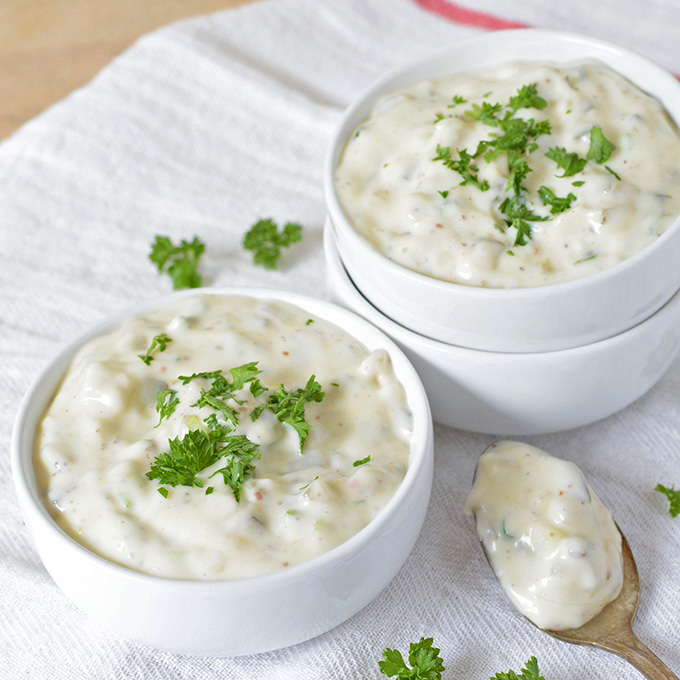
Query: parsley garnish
(424, 660)
(456, 100)
(463, 166)
(673, 496)
(558, 205)
(608, 169)
(529, 672)
(239, 467)
(289, 406)
(518, 215)
(527, 98)
(600, 147)
(213, 439)
(569, 162)
(266, 241)
(185, 459)
(443, 194)
(179, 262)
(159, 342)
(363, 461)
(166, 403)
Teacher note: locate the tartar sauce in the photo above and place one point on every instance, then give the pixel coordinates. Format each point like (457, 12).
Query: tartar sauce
(101, 433)
(412, 208)
(551, 542)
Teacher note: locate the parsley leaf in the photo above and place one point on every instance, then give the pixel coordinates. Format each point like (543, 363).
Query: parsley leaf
(239, 467)
(527, 98)
(673, 496)
(486, 113)
(529, 672)
(166, 403)
(179, 262)
(289, 406)
(266, 241)
(463, 166)
(424, 659)
(569, 162)
(518, 215)
(600, 147)
(558, 205)
(185, 459)
(159, 341)
(457, 99)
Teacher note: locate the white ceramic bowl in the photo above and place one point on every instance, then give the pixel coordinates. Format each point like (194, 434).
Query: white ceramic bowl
(514, 320)
(229, 618)
(522, 394)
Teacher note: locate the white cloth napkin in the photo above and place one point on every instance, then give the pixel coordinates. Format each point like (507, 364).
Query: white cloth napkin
(200, 129)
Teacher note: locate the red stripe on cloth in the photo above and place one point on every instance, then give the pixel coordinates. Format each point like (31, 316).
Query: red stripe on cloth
(461, 15)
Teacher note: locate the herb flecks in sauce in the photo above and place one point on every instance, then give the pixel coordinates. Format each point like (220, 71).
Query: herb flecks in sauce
(159, 342)
(518, 142)
(214, 439)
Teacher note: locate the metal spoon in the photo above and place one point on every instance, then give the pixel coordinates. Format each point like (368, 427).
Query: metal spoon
(612, 628)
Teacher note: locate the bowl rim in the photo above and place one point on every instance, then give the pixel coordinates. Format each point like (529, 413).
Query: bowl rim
(23, 436)
(380, 86)
(456, 352)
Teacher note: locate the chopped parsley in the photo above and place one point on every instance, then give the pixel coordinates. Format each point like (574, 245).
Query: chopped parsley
(363, 461)
(213, 439)
(463, 166)
(529, 672)
(557, 205)
(515, 136)
(456, 100)
(265, 241)
(586, 259)
(608, 169)
(600, 147)
(180, 262)
(424, 662)
(568, 161)
(289, 406)
(159, 342)
(166, 403)
(673, 496)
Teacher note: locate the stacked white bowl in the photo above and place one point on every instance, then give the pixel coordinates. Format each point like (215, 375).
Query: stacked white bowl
(519, 360)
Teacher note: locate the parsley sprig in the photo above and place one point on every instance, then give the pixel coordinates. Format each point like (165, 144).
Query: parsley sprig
(179, 262)
(289, 406)
(529, 672)
(265, 240)
(423, 659)
(159, 342)
(673, 496)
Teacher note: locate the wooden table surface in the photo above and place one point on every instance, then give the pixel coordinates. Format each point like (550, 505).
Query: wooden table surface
(50, 47)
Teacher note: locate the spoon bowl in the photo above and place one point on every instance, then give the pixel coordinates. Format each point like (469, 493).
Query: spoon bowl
(612, 628)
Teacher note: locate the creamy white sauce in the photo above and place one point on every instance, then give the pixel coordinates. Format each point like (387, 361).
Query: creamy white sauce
(551, 542)
(394, 193)
(98, 439)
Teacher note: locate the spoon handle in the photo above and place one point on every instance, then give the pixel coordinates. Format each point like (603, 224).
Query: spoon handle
(641, 657)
